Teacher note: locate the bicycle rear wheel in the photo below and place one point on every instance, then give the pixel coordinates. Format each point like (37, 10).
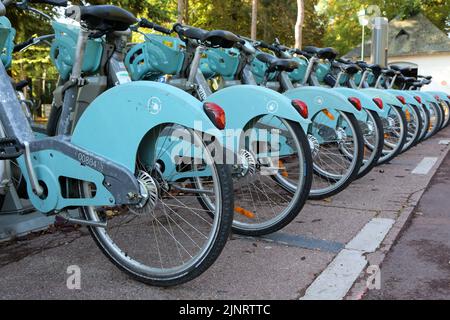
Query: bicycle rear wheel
(414, 126)
(273, 177)
(395, 131)
(373, 133)
(337, 149)
(169, 238)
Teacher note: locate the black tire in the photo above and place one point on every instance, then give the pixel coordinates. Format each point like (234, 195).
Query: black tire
(377, 151)
(425, 115)
(438, 124)
(407, 146)
(224, 229)
(2, 199)
(446, 121)
(53, 120)
(301, 200)
(400, 145)
(354, 173)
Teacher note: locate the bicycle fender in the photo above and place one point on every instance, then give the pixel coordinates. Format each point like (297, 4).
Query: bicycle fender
(318, 99)
(440, 94)
(246, 102)
(366, 100)
(117, 121)
(407, 95)
(387, 97)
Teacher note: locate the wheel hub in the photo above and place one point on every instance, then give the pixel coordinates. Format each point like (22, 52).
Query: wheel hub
(313, 145)
(149, 190)
(247, 164)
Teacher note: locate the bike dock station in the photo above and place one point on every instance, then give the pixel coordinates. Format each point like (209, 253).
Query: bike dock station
(304, 171)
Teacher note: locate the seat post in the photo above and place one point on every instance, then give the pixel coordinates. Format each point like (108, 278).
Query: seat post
(71, 94)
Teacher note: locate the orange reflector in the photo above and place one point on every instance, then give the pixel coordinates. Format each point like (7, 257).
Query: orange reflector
(328, 114)
(244, 212)
(408, 115)
(283, 169)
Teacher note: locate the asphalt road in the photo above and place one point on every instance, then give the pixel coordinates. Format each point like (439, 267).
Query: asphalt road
(418, 267)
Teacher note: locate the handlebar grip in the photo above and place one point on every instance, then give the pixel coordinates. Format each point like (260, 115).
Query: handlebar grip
(22, 45)
(162, 29)
(147, 24)
(55, 3)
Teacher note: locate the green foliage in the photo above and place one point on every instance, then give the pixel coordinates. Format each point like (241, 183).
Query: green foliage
(336, 24)
(344, 32)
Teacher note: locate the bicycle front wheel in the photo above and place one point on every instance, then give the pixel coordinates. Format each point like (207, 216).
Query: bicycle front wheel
(168, 239)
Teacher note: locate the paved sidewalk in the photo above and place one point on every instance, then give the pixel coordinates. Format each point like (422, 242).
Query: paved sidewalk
(282, 267)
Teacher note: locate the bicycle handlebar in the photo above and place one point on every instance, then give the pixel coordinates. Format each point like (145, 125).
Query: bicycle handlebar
(147, 24)
(55, 3)
(24, 44)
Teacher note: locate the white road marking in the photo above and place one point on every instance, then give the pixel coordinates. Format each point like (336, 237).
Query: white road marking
(338, 278)
(370, 237)
(425, 165)
(444, 142)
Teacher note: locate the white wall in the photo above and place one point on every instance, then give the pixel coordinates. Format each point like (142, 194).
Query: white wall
(436, 65)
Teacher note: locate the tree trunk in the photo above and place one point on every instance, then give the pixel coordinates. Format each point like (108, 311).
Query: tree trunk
(180, 11)
(299, 24)
(186, 11)
(254, 19)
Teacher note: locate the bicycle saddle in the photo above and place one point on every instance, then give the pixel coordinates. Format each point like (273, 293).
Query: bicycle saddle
(388, 72)
(402, 70)
(425, 77)
(351, 68)
(277, 64)
(107, 18)
(322, 53)
(215, 38)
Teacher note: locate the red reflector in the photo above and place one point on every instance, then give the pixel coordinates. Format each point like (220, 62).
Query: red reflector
(438, 98)
(301, 107)
(378, 102)
(356, 103)
(419, 99)
(401, 99)
(215, 113)
(448, 97)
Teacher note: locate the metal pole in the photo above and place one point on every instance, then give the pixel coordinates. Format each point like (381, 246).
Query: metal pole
(380, 41)
(363, 42)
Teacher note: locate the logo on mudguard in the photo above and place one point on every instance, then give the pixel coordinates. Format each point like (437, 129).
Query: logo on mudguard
(319, 100)
(154, 105)
(272, 106)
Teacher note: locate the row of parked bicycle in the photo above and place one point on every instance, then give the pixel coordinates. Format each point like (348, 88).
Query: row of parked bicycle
(165, 146)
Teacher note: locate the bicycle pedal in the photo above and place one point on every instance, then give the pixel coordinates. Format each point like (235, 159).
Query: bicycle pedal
(10, 149)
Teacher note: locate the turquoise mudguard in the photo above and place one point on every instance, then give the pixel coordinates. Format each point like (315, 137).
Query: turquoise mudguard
(365, 98)
(442, 95)
(408, 95)
(318, 99)
(7, 34)
(118, 125)
(426, 97)
(244, 103)
(387, 97)
(125, 114)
